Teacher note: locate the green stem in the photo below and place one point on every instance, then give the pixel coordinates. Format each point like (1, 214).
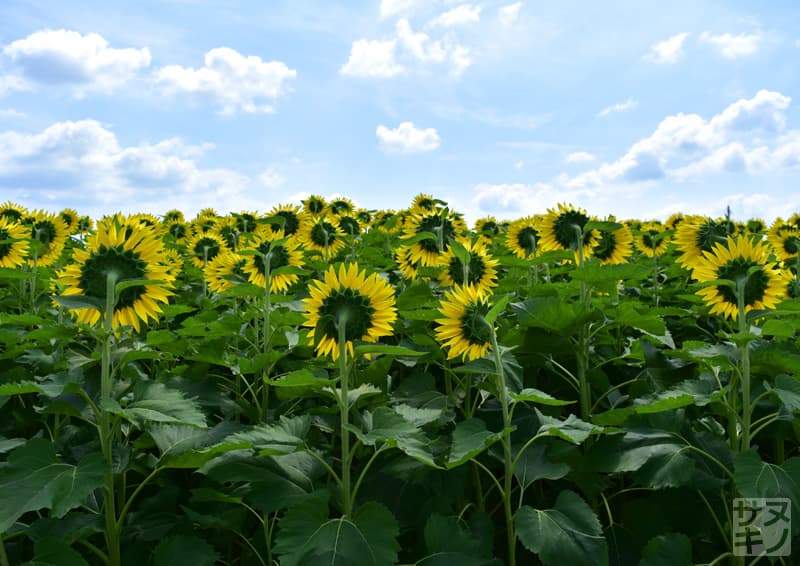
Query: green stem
(133, 496)
(267, 338)
(797, 275)
(344, 412)
(205, 267)
(3, 557)
(744, 347)
(582, 352)
(656, 290)
(511, 537)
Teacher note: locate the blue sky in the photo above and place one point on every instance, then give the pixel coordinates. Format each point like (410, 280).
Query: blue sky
(632, 108)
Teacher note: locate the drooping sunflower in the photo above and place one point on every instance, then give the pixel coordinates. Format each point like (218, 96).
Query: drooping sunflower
(385, 221)
(697, 234)
(341, 205)
(203, 247)
(364, 216)
(13, 211)
(427, 252)
(282, 252)
(365, 302)
(785, 239)
(205, 220)
(70, 218)
(487, 228)
(559, 230)
(652, 239)
(463, 328)
(314, 205)
(522, 237)
(732, 260)
(480, 271)
(14, 245)
(223, 270)
(423, 204)
(145, 219)
(291, 218)
(348, 224)
(130, 255)
(613, 247)
(51, 233)
(320, 234)
(85, 225)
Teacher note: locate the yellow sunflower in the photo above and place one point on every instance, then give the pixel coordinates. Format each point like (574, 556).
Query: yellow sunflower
(85, 225)
(423, 204)
(173, 215)
(51, 233)
(732, 260)
(205, 220)
(12, 211)
(652, 239)
(364, 217)
(463, 328)
(223, 271)
(341, 205)
(204, 247)
(674, 220)
(314, 205)
(613, 247)
(349, 224)
(559, 230)
(291, 218)
(386, 221)
(785, 239)
(130, 255)
(480, 271)
(756, 226)
(246, 222)
(522, 237)
(14, 245)
(282, 252)
(365, 302)
(487, 228)
(697, 234)
(426, 252)
(70, 218)
(177, 230)
(322, 235)
(408, 268)
(227, 229)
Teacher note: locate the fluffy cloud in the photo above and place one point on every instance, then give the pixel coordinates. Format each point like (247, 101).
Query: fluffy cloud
(669, 50)
(579, 157)
(458, 16)
(86, 62)
(11, 83)
(81, 164)
(236, 82)
(509, 14)
(733, 46)
(391, 8)
(272, 178)
(372, 59)
(629, 104)
(6, 113)
(407, 138)
(423, 49)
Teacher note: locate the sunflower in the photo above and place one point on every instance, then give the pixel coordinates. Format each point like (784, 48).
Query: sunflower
(321, 234)
(246, 222)
(177, 229)
(70, 218)
(205, 220)
(674, 220)
(522, 237)
(85, 225)
(487, 228)
(785, 239)
(423, 203)
(51, 233)
(696, 235)
(652, 239)
(364, 216)
(464, 329)
(348, 224)
(427, 252)
(481, 271)
(559, 230)
(227, 229)
(13, 211)
(223, 270)
(365, 302)
(385, 221)
(755, 226)
(145, 219)
(14, 243)
(408, 268)
(129, 255)
(341, 205)
(733, 260)
(204, 247)
(282, 252)
(291, 218)
(314, 205)
(173, 215)
(613, 247)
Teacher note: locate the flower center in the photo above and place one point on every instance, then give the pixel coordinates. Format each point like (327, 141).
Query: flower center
(564, 229)
(791, 244)
(125, 263)
(315, 205)
(44, 231)
(291, 222)
(5, 248)
(605, 246)
(245, 222)
(279, 257)
(476, 269)
(649, 239)
(434, 224)
(473, 325)
(207, 246)
(756, 284)
(323, 233)
(526, 239)
(712, 233)
(349, 302)
(349, 225)
(12, 214)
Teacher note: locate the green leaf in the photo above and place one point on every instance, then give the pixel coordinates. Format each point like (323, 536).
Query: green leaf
(385, 425)
(282, 437)
(758, 479)
(77, 302)
(673, 549)
(500, 304)
(534, 465)
(777, 327)
(572, 429)
(308, 536)
(415, 295)
(155, 402)
(34, 479)
(537, 396)
(20, 388)
(190, 447)
(551, 314)
(185, 549)
(8, 273)
(470, 438)
(368, 348)
(302, 378)
(418, 237)
(596, 273)
(450, 541)
(54, 552)
(570, 533)
(786, 389)
(129, 283)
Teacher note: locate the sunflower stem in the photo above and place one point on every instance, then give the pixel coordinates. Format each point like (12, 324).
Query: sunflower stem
(344, 412)
(106, 424)
(205, 266)
(582, 351)
(744, 347)
(508, 475)
(267, 338)
(797, 275)
(656, 290)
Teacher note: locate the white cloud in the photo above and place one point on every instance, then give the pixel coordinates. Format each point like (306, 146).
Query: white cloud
(407, 138)
(236, 82)
(394, 7)
(10, 113)
(425, 50)
(458, 16)
(620, 107)
(579, 157)
(669, 50)
(86, 62)
(733, 46)
(509, 14)
(272, 178)
(82, 164)
(11, 83)
(370, 58)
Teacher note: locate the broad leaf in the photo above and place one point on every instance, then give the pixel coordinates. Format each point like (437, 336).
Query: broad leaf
(470, 438)
(534, 465)
(54, 552)
(385, 425)
(758, 479)
(155, 402)
(184, 549)
(672, 549)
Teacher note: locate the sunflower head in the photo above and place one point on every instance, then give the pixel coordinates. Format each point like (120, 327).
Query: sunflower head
(291, 218)
(463, 328)
(613, 247)
(364, 304)
(563, 229)
(364, 216)
(224, 270)
(522, 237)
(785, 239)
(480, 269)
(173, 215)
(280, 251)
(341, 205)
(744, 262)
(321, 234)
(246, 222)
(177, 230)
(70, 218)
(203, 247)
(674, 220)
(12, 211)
(697, 234)
(488, 228)
(314, 205)
(49, 234)
(348, 223)
(125, 254)
(652, 239)
(14, 244)
(445, 226)
(408, 268)
(85, 225)
(423, 204)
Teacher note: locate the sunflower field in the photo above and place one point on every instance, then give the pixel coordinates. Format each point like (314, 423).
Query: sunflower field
(325, 385)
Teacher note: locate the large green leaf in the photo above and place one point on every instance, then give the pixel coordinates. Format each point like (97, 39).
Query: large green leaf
(282, 437)
(787, 390)
(534, 465)
(155, 402)
(672, 549)
(308, 536)
(53, 552)
(190, 447)
(386, 425)
(470, 438)
(184, 549)
(572, 429)
(450, 541)
(570, 533)
(758, 479)
(34, 479)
